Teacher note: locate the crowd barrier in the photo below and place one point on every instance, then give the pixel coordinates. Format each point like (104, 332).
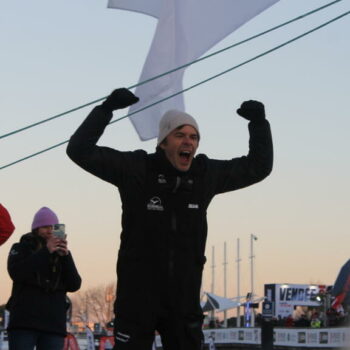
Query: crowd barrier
(286, 337)
(294, 337)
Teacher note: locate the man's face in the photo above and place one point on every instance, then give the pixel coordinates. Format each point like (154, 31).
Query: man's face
(180, 147)
(45, 231)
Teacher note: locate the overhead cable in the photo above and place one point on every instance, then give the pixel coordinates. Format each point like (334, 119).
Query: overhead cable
(173, 70)
(195, 85)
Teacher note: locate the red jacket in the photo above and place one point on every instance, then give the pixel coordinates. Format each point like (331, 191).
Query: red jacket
(6, 225)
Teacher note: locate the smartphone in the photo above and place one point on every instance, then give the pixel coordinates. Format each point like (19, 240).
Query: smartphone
(59, 230)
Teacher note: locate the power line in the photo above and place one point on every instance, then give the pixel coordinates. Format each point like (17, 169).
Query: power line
(195, 85)
(173, 70)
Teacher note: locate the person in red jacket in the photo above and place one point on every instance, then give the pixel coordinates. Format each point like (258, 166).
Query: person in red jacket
(6, 225)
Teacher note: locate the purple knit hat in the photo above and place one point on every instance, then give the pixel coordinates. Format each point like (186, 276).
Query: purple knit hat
(44, 217)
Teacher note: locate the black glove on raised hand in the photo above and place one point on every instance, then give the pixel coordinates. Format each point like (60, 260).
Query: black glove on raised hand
(119, 98)
(253, 111)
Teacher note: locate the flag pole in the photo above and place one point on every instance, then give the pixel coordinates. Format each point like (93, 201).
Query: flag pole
(225, 283)
(252, 256)
(213, 276)
(238, 259)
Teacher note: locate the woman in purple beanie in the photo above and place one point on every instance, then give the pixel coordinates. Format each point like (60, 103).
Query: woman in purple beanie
(43, 271)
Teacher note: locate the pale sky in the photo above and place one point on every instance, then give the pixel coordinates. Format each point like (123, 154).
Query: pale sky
(58, 55)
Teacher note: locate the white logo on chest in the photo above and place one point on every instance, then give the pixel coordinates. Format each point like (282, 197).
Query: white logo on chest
(155, 204)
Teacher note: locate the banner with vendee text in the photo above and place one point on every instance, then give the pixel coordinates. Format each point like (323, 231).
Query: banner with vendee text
(285, 297)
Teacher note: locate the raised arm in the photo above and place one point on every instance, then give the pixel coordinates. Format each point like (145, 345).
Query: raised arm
(82, 148)
(244, 171)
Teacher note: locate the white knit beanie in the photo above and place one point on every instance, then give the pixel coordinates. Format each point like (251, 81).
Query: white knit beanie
(171, 120)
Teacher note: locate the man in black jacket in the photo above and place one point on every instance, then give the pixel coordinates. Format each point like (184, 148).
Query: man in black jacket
(43, 271)
(164, 197)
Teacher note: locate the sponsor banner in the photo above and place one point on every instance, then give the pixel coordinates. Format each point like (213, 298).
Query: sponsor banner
(229, 336)
(270, 290)
(268, 309)
(233, 335)
(285, 297)
(297, 294)
(284, 309)
(320, 338)
(315, 338)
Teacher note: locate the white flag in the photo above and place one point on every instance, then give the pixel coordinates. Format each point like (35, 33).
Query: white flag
(90, 340)
(186, 30)
(149, 7)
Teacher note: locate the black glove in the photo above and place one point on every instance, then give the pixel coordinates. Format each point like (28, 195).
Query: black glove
(253, 111)
(119, 98)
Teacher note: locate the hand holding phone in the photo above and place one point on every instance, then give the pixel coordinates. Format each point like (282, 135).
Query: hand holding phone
(59, 231)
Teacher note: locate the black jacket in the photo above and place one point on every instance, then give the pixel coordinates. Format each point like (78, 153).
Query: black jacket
(40, 283)
(164, 225)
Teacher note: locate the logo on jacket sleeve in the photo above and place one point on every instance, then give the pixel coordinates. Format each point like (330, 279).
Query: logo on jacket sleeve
(155, 204)
(122, 337)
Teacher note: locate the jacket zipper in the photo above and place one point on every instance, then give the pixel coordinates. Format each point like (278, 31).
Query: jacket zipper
(173, 232)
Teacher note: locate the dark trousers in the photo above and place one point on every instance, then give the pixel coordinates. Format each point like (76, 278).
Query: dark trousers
(177, 333)
(21, 339)
(267, 335)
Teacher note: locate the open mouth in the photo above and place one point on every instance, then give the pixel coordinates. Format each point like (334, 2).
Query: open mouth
(185, 155)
